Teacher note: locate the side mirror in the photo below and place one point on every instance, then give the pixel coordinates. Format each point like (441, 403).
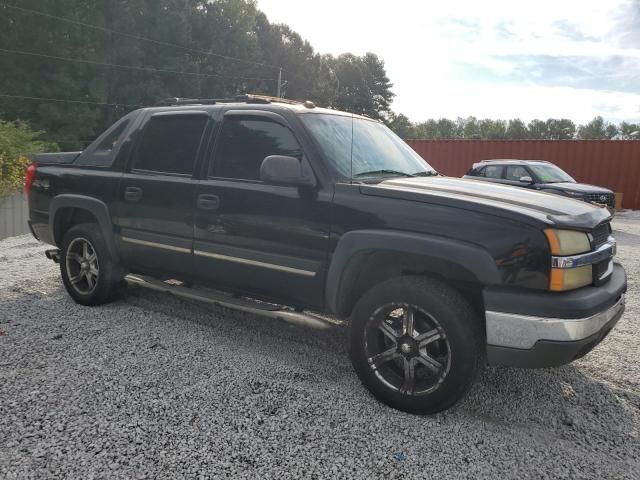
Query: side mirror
(526, 179)
(284, 170)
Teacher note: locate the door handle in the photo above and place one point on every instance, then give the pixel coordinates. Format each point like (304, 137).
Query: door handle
(208, 202)
(133, 194)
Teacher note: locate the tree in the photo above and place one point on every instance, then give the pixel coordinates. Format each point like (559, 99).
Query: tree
(364, 87)
(562, 129)
(493, 129)
(471, 129)
(401, 125)
(537, 129)
(17, 141)
(447, 129)
(597, 129)
(516, 130)
(165, 48)
(428, 129)
(629, 131)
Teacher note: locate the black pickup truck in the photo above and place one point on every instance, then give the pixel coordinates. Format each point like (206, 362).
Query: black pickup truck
(310, 215)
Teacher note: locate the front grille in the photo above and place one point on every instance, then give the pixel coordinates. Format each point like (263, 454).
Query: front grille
(608, 199)
(600, 235)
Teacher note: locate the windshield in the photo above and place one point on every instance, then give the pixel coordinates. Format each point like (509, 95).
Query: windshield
(551, 174)
(377, 151)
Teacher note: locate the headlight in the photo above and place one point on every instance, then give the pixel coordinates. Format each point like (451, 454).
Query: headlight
(567, 242)
(563, 243)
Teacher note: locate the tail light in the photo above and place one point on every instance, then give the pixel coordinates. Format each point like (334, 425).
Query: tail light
(29, 177)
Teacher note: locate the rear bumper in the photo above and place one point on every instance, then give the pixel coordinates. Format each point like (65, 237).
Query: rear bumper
(551, 329)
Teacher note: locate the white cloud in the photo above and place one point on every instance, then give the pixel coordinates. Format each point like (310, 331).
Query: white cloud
(485, 58)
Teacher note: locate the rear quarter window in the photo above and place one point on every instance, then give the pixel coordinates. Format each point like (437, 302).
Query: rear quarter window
(103, 154)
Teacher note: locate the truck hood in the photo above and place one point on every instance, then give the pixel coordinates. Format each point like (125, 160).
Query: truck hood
(576, 187)
(485, 197)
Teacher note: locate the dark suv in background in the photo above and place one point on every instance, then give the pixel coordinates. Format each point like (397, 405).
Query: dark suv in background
(540, 175)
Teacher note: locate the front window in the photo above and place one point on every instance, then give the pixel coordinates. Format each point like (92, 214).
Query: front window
(551, 174)
(245, 142)
(364, 149)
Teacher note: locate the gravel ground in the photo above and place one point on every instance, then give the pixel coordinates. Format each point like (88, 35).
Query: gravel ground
(155, 387)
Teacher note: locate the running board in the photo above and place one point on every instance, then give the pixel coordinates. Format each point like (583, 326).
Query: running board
(242, 304)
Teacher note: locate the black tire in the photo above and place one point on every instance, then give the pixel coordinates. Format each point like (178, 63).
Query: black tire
(444, 353)
(105, 274)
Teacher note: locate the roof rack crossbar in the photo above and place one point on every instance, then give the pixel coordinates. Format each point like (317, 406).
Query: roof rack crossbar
(244, 98)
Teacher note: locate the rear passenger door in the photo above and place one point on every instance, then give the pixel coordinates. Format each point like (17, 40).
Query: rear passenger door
(492, 173)
(157, 193)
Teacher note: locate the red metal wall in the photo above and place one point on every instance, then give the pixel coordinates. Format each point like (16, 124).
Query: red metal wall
(614, 164)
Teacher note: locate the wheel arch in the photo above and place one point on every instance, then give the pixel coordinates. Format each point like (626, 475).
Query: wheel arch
(68, 210)
(366, 257)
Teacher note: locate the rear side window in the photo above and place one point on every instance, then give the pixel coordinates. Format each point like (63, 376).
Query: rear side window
(514, 172)
(112, 139)
(169, 144)
(492, 171)
(102, 155)
(245, 142)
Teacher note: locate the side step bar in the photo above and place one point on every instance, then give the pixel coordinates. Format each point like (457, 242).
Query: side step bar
(242, 304)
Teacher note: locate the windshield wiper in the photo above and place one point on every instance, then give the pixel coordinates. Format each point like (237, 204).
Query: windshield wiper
(381, 172)
(430, 173)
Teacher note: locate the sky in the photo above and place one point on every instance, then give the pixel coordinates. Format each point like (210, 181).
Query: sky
(487, 58)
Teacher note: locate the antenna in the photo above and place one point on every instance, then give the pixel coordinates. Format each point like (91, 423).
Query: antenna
(280, 84)
(351, 156)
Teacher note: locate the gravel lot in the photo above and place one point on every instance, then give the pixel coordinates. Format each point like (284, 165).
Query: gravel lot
(155, 387)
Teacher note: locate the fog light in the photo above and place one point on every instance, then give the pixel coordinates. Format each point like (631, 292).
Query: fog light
(563, 279)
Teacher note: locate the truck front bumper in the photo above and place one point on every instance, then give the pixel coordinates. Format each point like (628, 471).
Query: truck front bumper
(546, 329)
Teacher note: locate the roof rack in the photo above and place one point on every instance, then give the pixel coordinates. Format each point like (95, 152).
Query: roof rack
(245, 98)
(512, 160)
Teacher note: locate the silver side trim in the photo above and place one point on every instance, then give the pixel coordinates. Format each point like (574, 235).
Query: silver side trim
(255, 263)
(523, 331)
(606, 250)
(155, 245)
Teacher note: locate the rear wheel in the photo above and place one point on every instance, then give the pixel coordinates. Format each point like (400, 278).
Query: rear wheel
(416, 344)
(88, 272)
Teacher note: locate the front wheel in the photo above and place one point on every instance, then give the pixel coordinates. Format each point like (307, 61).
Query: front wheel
(416, 344)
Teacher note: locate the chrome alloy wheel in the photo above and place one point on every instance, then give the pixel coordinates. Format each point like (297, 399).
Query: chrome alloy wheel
(82, 266)
(407, 349)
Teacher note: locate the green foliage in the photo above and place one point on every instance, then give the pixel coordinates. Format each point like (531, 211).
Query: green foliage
(537, 129)
(362, 85)
(516, 129)
(196, 38)
(471, 128)
(17, 141)
(597, 129)
(629, 131)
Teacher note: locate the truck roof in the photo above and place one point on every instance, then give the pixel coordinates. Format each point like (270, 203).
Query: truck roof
(247, 102)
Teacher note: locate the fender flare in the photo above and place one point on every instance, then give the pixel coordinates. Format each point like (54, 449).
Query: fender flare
(472, 257)
(94, 206)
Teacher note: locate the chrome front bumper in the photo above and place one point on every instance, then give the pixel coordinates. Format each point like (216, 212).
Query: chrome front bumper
(523, 331)
(536, 342)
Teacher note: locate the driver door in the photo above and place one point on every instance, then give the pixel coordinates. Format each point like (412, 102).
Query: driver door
(269, 240)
